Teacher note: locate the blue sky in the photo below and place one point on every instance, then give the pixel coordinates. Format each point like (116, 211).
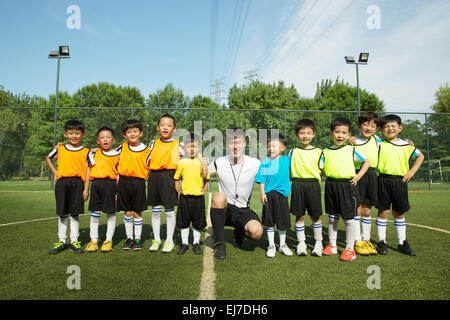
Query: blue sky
(147, 44)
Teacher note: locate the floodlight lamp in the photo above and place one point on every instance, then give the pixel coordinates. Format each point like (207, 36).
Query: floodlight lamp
(54, 54)
(349, 59)
(64, 51)
(363, 57)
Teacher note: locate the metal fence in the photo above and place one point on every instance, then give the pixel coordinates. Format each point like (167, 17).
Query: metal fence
(27, 133)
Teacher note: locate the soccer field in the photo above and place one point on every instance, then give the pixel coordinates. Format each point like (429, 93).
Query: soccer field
(28, 228)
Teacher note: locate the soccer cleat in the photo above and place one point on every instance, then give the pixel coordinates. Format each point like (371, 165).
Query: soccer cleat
(370, 248)
(318, 248)
(284, 249)
(220, 250)
(301, 249)
(348, 255)
(128, 244)
(382, 247)
(155, 246)
(361, 248)
(167, 247)
(58, 247)
(106, 246)
(92, 246)
(406, 249)
(182, 249)
(76, 247)
(196, 248)
(239, 238)
(271, 252)
(137, 245)
(329, 250)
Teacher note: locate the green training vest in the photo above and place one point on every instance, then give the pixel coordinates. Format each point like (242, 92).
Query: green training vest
(305, 163)
(339, 162)
(394, 159)
(370, 150)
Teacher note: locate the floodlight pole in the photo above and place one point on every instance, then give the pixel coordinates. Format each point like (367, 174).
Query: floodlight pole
(55, 110)
(357, 87)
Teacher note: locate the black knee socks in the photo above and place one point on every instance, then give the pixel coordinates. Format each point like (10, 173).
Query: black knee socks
(218, 218)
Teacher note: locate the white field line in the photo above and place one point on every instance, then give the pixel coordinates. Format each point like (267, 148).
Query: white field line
(207, 284)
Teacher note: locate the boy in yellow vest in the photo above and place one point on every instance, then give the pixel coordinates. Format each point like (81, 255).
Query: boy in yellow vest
(191, 181)
(103, 189)
(394, 174)
(164, 158)
(305, 190)
(341, 195)
(72, 184)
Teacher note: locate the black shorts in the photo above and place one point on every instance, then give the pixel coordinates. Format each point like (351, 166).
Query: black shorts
(103, 195)
(69, 196)
(239, 217)
(191, 209)
(341, 198)
(276, 211)
(306, 196)
(131, 194)
(161, 189)
(368, 188)
(392, 190)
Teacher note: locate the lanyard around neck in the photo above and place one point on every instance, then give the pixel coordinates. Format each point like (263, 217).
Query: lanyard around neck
(236, 180)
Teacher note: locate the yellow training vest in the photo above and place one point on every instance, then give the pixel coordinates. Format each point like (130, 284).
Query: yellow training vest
(370, 149)
(394, 159)
(305, 163)
(338, 163)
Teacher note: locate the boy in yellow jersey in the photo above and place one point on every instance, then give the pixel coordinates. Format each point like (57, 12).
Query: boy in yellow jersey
(394, 174)
(72, 184)
(194, 176)
(164, 158)
(305, 190)
(103, 189)
(341, 195)
(133, 169)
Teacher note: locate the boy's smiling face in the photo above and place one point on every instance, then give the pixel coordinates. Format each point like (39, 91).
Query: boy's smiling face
(133, 135)
(391, 130)
(275, 148)
(367, 129)
(340, 135)
(166, 128)
(305, 135)
(74, 137)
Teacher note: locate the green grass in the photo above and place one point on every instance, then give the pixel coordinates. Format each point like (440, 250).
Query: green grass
(29, 272)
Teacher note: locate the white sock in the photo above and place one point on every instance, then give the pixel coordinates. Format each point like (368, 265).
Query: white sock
(271, 236)
(317, 228)
(93, 228)
(350, 233)
(333, 229)
(128, 221)
(74, 228)
(110, 226)
(381, 228)
(171, 222)
(197, 235)
(282, 234)
(300, 231)
(400, 226)
(366, 227)
(357, 226)
(62, 228)
(185, 236)
(138, 222)
(156, 222)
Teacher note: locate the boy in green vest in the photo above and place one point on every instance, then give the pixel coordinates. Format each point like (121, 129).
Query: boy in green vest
(305, 189)
(341, 195)
(394, 174)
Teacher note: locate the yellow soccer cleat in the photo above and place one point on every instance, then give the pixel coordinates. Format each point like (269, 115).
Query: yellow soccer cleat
(107, 246)
(361, 248)
(92, 246)
(370, 247)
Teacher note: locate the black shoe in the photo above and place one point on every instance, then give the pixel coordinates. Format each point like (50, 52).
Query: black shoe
(76, 247)
(128, 244)
(406, 249)
(182, 249)
(137, 245)
(382, 247)
(239, 237)
(220, 250)
(196, 248)
(58, 247)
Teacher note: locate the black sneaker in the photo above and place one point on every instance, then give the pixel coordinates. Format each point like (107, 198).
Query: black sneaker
(196, 248)
(58, 247)
(220, 250)
(182, 249)
(76, 247)
(382, 247)
(128, 244)
(137, 245)
(406, 249)
(239, 237)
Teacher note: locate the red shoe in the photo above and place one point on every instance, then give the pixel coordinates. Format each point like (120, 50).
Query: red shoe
(348, 255)
(329, 250)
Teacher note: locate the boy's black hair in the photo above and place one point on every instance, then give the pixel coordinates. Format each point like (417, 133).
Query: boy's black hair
(390, 118)
(130, 124)
(278, 137)
(166, 115)
(341, 121)
(192, 137)
(234, 133)
(369, 116)
(74, 125)
(304, 123)
(105, 129)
